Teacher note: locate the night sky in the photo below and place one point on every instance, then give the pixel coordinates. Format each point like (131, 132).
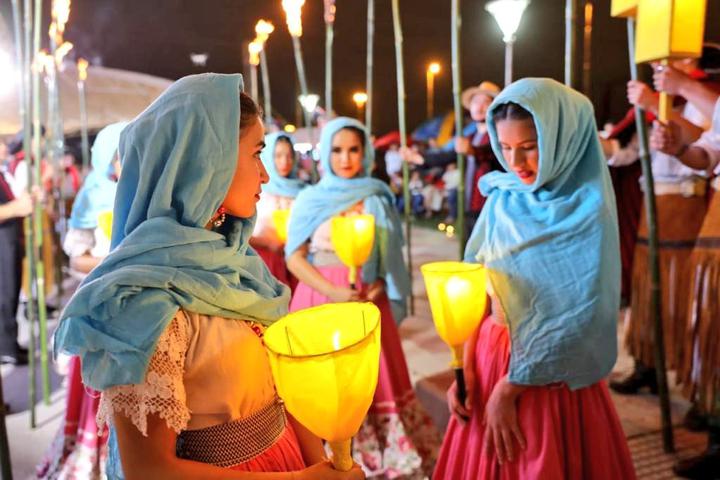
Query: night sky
(157, 36)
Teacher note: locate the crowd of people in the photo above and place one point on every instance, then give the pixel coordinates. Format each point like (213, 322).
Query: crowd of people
(168, 376)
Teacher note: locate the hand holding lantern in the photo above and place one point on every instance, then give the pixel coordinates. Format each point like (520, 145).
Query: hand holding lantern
(353, 237)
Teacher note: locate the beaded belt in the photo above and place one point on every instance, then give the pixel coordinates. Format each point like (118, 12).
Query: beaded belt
(686, 188)
(235, 442)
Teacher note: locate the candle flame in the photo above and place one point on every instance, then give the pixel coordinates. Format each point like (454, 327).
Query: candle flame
(330, 11)
(263, 29)
(43, 62)
(60, 14)
(254, 48)
(61, 51)
(82, 66)
(293, 16)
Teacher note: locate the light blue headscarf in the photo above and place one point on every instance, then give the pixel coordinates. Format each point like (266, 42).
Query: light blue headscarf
(552, 247)
(288, 186)
(333, 195)
(97, 194)
(179, 157)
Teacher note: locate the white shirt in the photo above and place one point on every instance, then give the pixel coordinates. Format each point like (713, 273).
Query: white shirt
(710, 141)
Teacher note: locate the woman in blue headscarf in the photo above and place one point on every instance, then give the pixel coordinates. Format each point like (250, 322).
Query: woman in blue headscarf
(397, 437)
(79, 445)
(538, 405)
(279, 193)
(168, 327)
(85, 244)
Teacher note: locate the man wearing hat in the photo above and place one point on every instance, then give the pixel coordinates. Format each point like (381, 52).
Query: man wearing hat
(476, 147)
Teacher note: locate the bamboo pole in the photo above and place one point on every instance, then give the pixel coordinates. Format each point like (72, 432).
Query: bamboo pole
(456, 22)
(254, 81)
(570, 42)
(401, 97)
(653, 259)
(300, 64)
(38, 217)
(266, 87)
(587, 49)
(329, 38)
(369, 67)
(5, 460)
(82, 97)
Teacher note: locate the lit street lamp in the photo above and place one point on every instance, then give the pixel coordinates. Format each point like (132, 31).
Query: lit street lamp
(432, 70)
(507, 14)
(360, 99)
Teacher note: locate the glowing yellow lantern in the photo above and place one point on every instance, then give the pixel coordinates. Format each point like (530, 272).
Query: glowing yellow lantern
(325, 362)
(280, 221)
(105, 220)
(669, 29)
(458, 297)
(353, 237)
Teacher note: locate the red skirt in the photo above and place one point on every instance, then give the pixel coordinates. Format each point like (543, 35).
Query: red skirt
(569, 434)
(275, 262)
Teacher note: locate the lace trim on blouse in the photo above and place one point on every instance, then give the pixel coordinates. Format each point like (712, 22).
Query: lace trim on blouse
(162, 393)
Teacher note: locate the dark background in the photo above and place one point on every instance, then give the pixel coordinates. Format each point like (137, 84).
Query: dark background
(157, 36)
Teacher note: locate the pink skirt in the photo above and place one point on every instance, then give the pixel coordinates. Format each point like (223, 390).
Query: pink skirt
(397, 438)
(79, 449)
(275, 262)
(283, 456)
(569, 434)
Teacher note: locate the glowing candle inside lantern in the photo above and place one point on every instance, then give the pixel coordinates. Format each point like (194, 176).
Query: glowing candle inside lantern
(353, 237)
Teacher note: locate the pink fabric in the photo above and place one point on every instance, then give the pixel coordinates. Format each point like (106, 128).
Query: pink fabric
(283, 456)
(569, 434)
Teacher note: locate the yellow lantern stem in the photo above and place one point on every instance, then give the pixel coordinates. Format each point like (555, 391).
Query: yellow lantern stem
(352, 277)
(666, 100)
(342, 459)
(457, 356)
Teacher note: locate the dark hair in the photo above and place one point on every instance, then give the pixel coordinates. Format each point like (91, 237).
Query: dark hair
(286, 139)
(510, 111)
(249, 111)
(358, 132)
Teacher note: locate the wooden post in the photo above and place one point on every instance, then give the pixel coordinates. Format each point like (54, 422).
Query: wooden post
(369, 66)
(456, 22)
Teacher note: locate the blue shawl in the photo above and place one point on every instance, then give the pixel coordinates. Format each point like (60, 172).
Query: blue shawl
(179, 157)
(552, 248)
(97, 194)
(288, 186)
(333, 195)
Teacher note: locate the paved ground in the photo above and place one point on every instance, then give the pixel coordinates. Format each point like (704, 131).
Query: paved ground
(428, 359)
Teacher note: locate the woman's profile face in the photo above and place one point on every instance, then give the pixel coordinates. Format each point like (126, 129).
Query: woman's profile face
(346, 157)
(284, 158)
(519, 143)
(244, 191)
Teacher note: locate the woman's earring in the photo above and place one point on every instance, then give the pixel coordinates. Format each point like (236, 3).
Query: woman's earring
(217, 223)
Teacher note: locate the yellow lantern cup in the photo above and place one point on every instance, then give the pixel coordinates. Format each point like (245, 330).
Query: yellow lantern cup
(458, 297)
(353, 237)
(325, 362)
(105, 220)
(280, 221)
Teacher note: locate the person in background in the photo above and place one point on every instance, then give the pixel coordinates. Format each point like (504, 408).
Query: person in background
(699, 369)
(451, 179)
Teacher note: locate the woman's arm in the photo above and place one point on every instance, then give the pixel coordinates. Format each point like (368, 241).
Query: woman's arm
(84, 263)
(310, 444)
(153, 456)
(309, 275)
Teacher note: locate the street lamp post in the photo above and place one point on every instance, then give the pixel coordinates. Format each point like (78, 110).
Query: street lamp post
(432, 70)
(360, 99)
(507, 14)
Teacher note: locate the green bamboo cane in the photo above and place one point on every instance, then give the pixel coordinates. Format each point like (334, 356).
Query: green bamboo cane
(254, 82)
(570, 42)
(653, 259)
(37, 216)
(82, 97)
(329, 38)
(401, 96)
(265, 73)
(5, 463)
(456, 22)
(369, 67)
(300, 64)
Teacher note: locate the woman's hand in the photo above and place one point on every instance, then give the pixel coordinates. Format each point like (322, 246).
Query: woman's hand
(669, 80)
(462, 412)
(666, 138)
(342, 294)
(501, 424)
(325, 471)
(374, 290)
(641, 95)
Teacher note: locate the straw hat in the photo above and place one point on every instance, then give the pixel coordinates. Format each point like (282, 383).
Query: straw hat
(487, 88)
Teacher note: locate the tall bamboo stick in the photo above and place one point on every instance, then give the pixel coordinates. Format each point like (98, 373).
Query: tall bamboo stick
(570, 42)
(653, 259)
(5, 463)
(266, 87)
(401, 96)
(329, 38)
(82, 66)
(456, 22)
(38, 216)
(369, 67)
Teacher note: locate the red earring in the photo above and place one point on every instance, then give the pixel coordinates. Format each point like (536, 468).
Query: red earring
(221, 218)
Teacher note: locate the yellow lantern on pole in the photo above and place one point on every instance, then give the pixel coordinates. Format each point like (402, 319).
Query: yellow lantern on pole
(325, 362)
(105, 220)
(280, 221)
(624, 8)
(353, 237)
(666, 30)
(457, 295)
